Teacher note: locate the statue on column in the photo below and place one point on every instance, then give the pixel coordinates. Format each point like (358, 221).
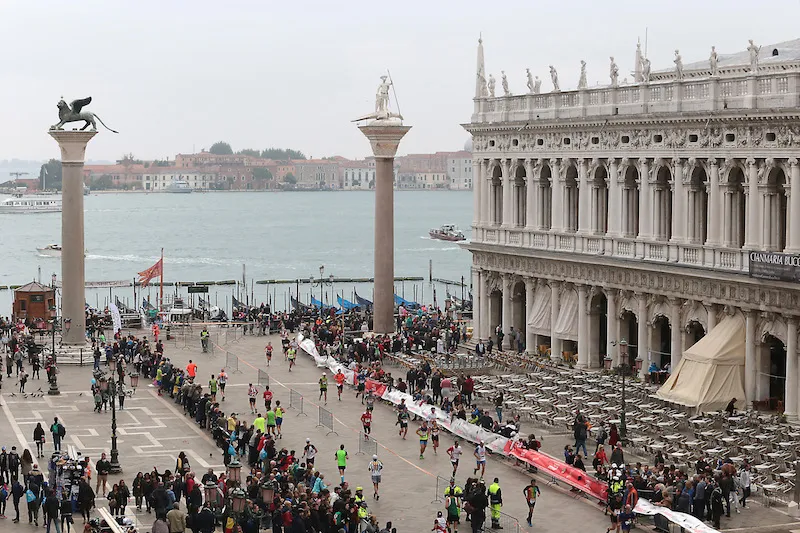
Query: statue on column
(504, 82)
(72, 113)
(613, 72)
(754, 50)
(678, 65)
(530, 80)
(554, 78)
(382, 111)
(713, 61)
(492, 83)
(582, 80)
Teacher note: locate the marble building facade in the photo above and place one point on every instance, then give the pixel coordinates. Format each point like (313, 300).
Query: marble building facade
(645, 212)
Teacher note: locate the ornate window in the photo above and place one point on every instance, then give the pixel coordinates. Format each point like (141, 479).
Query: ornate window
(765, 86)
(668, 93)
(655, 94)
(624, 96)
(704, 91)
(726, 88)
(690, 92)
(783, 85)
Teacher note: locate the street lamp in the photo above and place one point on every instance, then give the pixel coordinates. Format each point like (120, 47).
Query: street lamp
(115, 466)
(235, 472)
(238, 500)
(210, 489)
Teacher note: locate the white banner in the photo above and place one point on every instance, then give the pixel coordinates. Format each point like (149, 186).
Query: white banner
(686, 521)
(115, 316)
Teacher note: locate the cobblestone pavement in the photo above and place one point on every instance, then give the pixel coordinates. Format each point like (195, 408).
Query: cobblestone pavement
(152, 430)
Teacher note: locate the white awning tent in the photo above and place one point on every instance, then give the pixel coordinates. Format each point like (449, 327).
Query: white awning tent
(710, 373)
(566, 326)
(539, 318)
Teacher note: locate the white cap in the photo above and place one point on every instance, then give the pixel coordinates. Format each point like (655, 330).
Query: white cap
(374, 457)
(308, 440)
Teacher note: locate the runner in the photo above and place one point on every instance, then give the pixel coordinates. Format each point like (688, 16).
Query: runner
(366, 420)
(370, 400)
(480, 459)
(341, 460)
(361, 379)
(375, 469)
(267, 398)
(439, 523)
(423, 432)
(309, 452)
(292, 356)
(212, 388)
(339, 377)
(453, 508)
(323, 387)
(531, 492)
(402, 419)
(278, 417)
(223, 380)
(191, 370)
(434, 435)
(268, 352)
(271, 423)
(285, 345)
(252, 392)
(454, 452)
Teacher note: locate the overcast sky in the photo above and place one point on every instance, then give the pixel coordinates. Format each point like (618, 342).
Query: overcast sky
(175, 76)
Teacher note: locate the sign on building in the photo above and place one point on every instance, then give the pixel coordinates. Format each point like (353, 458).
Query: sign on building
(775, 266)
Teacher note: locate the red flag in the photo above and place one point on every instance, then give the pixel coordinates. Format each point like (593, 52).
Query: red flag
(152, 272)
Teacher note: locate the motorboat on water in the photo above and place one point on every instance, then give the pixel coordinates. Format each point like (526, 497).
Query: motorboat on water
(448, 232)
(30, 204)
(179, 186)
(51, 250)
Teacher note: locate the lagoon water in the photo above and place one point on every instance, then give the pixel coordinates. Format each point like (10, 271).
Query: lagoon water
(209, 236)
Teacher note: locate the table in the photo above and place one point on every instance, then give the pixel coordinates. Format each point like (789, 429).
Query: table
(658, 446)
(714, 451)
(673, 437)
(764, 466)
(700, 422)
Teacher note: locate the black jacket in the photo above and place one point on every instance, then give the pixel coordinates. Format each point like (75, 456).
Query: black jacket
(103, 467)
(52, 506)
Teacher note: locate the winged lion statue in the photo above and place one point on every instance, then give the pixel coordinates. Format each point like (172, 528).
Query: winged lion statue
(72, 113)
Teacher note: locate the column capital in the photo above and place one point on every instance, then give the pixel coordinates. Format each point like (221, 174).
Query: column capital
(581, 288)
(751, 161)
(792, 162)
(643, 161)
(713, 161)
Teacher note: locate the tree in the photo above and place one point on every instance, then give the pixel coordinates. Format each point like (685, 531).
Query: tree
(290, 179)
(221, 148)
(262, 173)
(282, 154)
(250, 152)
(50, 175)
(104, 182)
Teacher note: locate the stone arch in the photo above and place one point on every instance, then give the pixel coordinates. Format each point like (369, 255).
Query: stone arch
(734, 206)
(496, 193)
(571, 196)
(775, 326)
(775, 204)
(698, 204)
(659, 308)
(519, 306)
(696, 312)
(599, 182)
(662, 202)
(545, 183)
(629, 175)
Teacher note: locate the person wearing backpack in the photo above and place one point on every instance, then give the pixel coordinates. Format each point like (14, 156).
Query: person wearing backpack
(58, 431)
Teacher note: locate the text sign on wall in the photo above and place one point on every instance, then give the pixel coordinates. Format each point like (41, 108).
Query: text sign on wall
(773, 265)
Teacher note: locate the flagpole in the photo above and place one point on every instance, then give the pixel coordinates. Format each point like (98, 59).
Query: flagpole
(161, 289)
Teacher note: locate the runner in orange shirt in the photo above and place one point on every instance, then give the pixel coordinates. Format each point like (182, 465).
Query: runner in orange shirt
(339, 377)
(191, 369)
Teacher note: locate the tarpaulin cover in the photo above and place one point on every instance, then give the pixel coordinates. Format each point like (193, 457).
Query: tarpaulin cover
(710, 373)
(687, 522)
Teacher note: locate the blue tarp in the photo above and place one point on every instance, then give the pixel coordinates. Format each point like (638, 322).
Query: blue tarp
(405, 303)
(344, 304)
(318, 304)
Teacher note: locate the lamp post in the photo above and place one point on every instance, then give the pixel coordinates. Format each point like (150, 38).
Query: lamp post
(115, 466)
(235, 472)
(623, 369)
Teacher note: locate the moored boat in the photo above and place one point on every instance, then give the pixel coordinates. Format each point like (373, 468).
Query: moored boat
(31, 204)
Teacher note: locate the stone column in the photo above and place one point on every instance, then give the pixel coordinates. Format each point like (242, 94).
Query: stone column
(384, 136)
(751, 230)
(508, 305)
(486, 194)
(583, 338)
(676, 351)
(614, 196)
(532, 193)
(794, 207)
(679, 203)
(584, 197)
(612, 326)
(477, 190)
(555, 342)
(712, 317)
(790, 397)
(751, 369)
(530, 336)
(557, 207)
(644, 338)
(508, 195)
(73, 291)
(645, 211)
(477, 298)
(485, 311)
(714, 200)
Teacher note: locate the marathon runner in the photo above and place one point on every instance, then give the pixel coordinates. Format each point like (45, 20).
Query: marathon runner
(434, 431)
(480, 459)
(531, 492)
(341, 460)
(309, 452)
(339, 377)
(252, 392)
(402, 418)
(278, 417)
(223, 380)
(423, 433)
(268, 352)
(454, 452)
(375, 469)
(323, 387)
(366, 420)
(267, 398)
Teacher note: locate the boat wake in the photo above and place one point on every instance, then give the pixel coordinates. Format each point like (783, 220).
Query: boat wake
(130, 258)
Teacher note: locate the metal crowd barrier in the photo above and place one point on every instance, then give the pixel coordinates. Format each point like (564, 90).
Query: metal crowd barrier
(326, 420)
(366, 445)
(263, 378)
(296, 402)
(232, 363)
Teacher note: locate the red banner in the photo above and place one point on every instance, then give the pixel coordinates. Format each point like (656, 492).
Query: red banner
(561, 471)
(377, 387)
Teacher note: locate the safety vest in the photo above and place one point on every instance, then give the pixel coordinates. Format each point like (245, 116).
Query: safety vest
(494, 489)
(204, 334)
(362, 512)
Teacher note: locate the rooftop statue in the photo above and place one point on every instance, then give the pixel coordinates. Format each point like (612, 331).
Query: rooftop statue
(554, 78)
(678, 65)
(530, 80)
(713, 61)
(504, 82)
(645, 70)
(537, 85)
(492, 83)
(582, 80)
(613, 72)
(754, 50)
(72, 113)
